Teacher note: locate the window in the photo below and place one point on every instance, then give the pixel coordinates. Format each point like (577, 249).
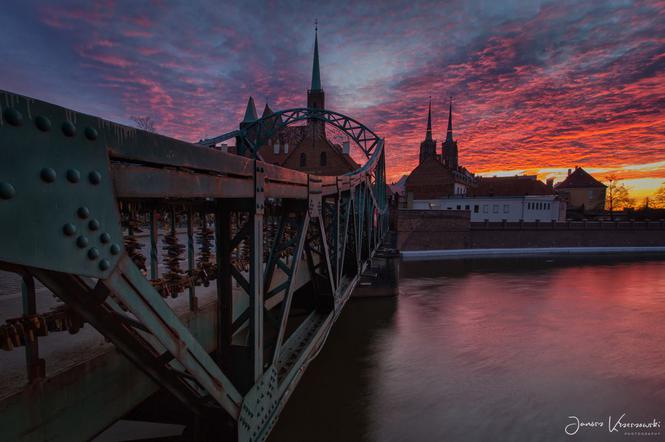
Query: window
(324, 159)
(485, 208)
(506, 208)
(466, 207)
(303, 160)
(276, 146)
(476, 208)
(590, 194)
(495, 208)
(459, 207)
(286, 147)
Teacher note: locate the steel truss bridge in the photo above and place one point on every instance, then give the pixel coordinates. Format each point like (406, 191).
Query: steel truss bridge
(283, 248)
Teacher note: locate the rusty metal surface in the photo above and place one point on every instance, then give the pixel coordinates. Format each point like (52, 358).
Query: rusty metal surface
(293, 245)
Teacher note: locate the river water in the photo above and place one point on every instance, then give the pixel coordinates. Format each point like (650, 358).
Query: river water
(492, 351)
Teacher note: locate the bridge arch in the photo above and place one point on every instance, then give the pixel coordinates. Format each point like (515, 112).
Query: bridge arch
(257, 133)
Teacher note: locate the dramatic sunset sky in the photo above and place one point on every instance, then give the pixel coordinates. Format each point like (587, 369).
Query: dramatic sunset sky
(538, 86)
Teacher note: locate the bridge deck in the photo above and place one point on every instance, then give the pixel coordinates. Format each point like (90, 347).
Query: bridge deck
(289, 248)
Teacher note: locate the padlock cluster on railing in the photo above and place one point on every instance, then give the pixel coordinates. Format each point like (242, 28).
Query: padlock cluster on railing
(18, 332)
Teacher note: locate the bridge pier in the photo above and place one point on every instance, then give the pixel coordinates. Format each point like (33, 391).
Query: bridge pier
(382, 275)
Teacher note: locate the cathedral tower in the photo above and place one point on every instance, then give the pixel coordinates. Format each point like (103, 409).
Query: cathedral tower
(449, 147)
(428, 147)
(316, 98)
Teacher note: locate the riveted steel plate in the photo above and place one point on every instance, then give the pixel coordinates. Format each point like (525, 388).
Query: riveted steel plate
(58, 211)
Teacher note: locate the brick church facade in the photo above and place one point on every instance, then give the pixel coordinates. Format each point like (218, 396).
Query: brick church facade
(439, 175)
(305, 147)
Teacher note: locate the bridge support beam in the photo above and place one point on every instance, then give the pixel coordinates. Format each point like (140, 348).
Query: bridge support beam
(294, 244)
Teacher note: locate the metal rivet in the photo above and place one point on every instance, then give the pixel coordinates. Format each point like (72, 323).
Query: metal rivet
(93, 224)
(69, 229)
(104, 264)
(68, 128)
(115, 249)
(90, 133)
(82, 241)
(47, 174)
(73, 176)
(7, 191)
(83, 212)
(105, 238)
(95, 177)
(93, 253)
(43, 123)
(13, 117)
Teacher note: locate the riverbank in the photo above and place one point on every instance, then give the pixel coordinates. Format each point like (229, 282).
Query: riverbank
(426, 255)
(436, 230)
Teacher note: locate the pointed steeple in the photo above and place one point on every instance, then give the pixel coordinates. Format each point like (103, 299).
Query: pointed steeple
(428, 134)
(316, 73)
(266, 111)
(250, 112)
(449, 134)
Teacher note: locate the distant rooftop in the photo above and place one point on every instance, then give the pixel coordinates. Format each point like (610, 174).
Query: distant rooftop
(511, 186)
(580, 178)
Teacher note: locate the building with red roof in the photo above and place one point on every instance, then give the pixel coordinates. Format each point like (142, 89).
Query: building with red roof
(582, 192)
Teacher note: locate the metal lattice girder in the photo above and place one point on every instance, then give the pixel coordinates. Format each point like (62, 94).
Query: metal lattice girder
(91, 305)
(129, 286)
(65, 174)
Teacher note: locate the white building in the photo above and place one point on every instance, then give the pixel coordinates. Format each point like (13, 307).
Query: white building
(496, 199)
(526, 208)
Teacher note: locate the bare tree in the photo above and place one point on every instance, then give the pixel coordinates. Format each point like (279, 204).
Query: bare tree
(618, 196)
(658, 199)
(144, 123)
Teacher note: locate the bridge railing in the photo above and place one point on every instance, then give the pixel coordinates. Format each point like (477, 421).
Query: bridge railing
(280, 250)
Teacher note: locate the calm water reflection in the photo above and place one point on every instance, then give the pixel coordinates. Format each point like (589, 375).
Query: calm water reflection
(491, 351)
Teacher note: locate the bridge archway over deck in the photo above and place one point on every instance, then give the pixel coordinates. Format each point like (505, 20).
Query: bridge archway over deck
(256, 133)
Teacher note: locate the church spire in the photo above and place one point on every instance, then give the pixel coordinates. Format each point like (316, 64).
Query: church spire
(428, 134)
(316, 98)
(449, 134)
(266, 111)
(316, 74)
(250, 112)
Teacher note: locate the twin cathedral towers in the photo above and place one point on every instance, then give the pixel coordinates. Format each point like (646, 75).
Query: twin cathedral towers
(448, 154)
